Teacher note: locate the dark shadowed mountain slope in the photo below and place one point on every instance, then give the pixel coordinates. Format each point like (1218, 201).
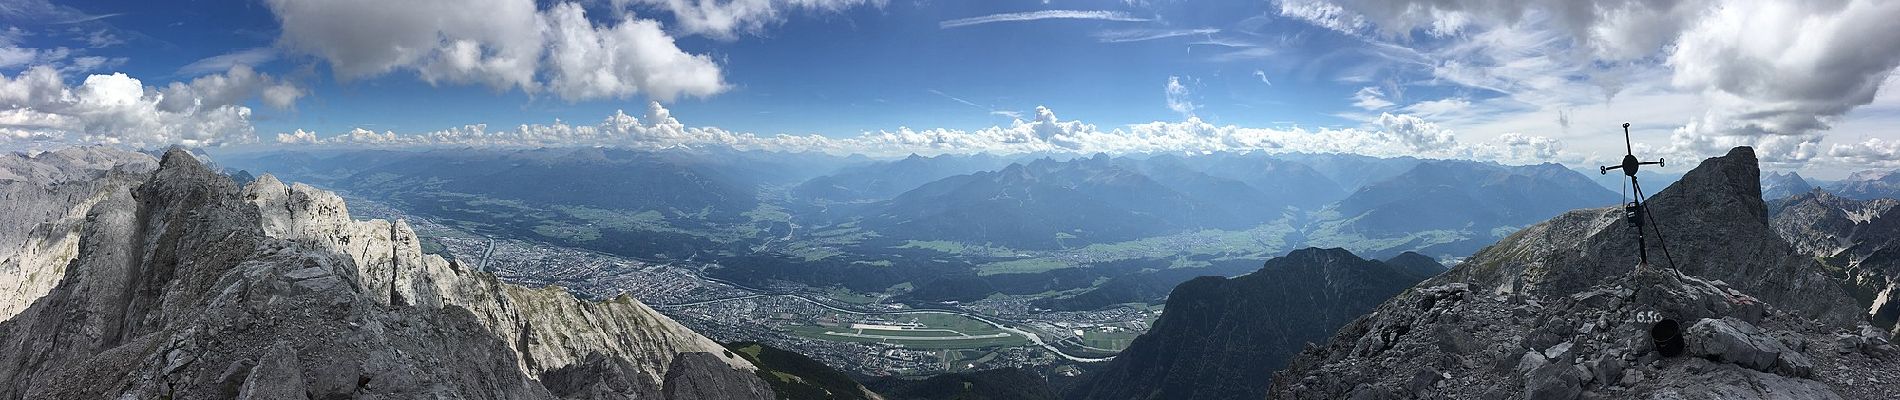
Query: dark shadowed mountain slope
(185, 286)
(796, 377)
(1416, 264)
(1222, 338)
(1858, 239)
(1555, 312)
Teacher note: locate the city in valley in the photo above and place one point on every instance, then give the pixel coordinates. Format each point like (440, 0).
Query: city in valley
(856, 332)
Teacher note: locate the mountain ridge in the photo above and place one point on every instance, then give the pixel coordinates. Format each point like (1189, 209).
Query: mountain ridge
(183, 287)
(1860, 238)
(1561, 311)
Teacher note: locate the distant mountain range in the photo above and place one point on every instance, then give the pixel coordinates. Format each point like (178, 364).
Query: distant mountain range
(1866, 185)
(166, 277)
(883, 180)
(636, 203)
(956, 226)
(1051, 204)
(1476, 203)
(1777, 185)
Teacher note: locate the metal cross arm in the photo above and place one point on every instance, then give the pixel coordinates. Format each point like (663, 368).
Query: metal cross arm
(1634, 211)
(1630, 163)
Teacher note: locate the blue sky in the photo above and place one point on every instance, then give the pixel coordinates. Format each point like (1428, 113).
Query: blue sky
(887, 66)
(1454, 79)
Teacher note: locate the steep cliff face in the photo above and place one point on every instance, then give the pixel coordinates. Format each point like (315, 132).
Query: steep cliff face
(186, 287)
(1559, 311)
(1222, 338)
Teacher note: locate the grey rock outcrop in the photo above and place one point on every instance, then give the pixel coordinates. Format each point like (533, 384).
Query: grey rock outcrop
(1760, 319)
(1553, 382)
(548, 327)
(186, 286)
(705, 376)
(1736, 341)
(1713, 225)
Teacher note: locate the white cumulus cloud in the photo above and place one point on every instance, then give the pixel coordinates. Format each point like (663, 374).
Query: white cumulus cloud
(1387, 135)
(1773, 74)
(634, 56)
(503, 44)
(38, 106)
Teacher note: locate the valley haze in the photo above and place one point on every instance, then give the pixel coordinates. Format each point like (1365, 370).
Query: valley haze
(886, 200)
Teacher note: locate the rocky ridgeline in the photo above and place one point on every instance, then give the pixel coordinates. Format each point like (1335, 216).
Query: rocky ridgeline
(1560, 311)
(1860, 237)
(185, 286)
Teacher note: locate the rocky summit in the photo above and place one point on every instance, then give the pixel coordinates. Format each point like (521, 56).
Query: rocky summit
(1560, 310)
(175, 283)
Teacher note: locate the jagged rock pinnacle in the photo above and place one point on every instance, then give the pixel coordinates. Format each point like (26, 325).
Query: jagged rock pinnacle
(1558, 311)
(1711, 223)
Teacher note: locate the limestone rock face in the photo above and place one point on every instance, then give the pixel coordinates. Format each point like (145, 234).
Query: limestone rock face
(47, 197)
(547, 327)
(187, 287)
(1561, 309)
